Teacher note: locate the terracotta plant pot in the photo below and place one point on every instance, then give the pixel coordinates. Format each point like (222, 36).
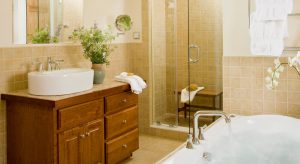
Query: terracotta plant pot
(99, 73)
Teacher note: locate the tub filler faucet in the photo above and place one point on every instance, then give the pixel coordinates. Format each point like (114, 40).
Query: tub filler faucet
(198, 131)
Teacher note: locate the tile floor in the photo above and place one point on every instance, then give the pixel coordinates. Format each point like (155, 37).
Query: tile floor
(152, 149)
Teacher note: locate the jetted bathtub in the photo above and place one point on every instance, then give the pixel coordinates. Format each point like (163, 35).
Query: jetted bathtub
(263, 139)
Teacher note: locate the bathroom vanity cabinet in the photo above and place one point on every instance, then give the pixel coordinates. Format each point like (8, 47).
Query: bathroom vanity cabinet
(93, 127)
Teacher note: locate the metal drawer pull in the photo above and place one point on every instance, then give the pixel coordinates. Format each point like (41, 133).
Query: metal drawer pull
(87, 134)
(82, 136)
(124, 101)
(124, 146)
(124, 121)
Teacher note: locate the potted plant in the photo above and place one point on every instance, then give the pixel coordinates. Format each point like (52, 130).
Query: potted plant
(42, 36)
(97, 47)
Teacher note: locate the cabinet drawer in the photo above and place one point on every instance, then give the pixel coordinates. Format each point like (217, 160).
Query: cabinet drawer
(120, 101)
(122, 147)
(72, 116)
(121, 122)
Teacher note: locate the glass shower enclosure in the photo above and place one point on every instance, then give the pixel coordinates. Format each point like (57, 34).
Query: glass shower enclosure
(187, 48)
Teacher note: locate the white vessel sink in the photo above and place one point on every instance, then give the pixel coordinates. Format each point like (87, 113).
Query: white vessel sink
(60, 82)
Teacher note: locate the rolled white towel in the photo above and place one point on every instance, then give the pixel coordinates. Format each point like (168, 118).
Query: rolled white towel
(185, 94)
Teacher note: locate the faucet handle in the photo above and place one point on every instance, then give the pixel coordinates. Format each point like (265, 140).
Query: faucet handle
(189, 142)
(59, 60)
(49, 59)
(201, 133)
(40, 65)
(57, 63)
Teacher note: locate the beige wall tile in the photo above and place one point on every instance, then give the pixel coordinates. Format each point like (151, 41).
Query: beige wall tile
(283, 100)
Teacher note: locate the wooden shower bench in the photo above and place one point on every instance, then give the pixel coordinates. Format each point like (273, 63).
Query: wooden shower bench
(210, 93)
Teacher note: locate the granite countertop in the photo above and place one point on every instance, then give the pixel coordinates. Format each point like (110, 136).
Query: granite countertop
(108, 84)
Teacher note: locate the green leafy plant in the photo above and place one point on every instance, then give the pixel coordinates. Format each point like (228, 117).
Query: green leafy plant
(123, 23)
(42, 36)
(96, 43)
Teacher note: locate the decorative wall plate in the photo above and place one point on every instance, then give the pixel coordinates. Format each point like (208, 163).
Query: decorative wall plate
(124, 23)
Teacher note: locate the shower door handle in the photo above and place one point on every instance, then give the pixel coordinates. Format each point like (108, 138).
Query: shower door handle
(191, 47)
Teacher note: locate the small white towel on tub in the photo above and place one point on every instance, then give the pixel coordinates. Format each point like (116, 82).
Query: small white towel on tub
(137, 84)
(185, 94)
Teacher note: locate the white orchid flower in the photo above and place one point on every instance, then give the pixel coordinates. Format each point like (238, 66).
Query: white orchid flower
(275, 83)
(272, 81)
(292, 61)
(276, 75)
(277, 62)
(270, 70)
(270, 86)
(298, 58)
(268, 79)
(281, 69)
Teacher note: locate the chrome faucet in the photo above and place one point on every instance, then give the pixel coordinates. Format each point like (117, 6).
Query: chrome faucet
(49, 63)
(198, 132)
(53, 64)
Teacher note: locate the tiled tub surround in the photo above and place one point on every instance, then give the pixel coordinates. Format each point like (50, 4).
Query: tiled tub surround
(17, 61)
(245, 92)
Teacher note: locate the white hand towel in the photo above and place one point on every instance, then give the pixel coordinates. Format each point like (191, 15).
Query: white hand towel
(140, 81)
(269, 26)
(185, 94)
(273, 9)
(136, 83)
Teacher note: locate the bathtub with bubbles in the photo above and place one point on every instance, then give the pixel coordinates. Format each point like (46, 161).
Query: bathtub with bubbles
(262, 139)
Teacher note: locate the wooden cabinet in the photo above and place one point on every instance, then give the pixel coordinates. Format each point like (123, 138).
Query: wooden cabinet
(82, 145)
(78, 114)
(93, 143)
(120, 101)
(121, 147)
(121, 122)
(70, 146)
(90, 128)
(121, 126)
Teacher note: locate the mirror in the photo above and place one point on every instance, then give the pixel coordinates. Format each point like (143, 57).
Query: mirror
(39, 21)
(53, 21)
(36, 21)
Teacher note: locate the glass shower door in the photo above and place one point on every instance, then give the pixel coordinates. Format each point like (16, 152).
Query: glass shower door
(164, 62)
(205, 40)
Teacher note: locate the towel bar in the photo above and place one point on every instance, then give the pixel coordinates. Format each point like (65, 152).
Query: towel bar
(292, 49)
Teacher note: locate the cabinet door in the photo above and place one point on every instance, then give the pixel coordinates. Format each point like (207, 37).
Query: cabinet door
(93, 149)
(70, 146)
